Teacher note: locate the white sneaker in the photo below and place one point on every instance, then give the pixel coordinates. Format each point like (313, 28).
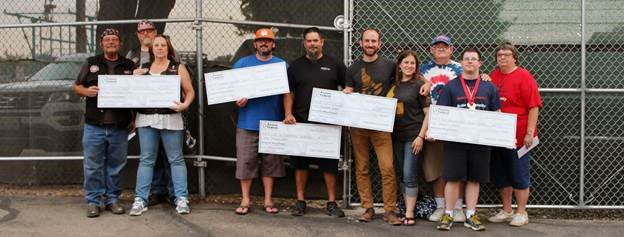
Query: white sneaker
(182, 206)
(519, 220)
(459, 215)
(501, 216)
(138, 207)
(437, 214)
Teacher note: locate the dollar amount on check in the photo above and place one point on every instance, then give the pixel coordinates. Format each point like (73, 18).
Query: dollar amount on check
(353, 110)
(247, 82)
(128, 91)
(301, 139)
(472, 126)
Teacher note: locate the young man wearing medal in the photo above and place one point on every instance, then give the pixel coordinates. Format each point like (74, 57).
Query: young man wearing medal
(467, 162)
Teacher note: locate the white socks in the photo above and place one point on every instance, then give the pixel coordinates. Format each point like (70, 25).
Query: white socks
(458, 203)
(469, 213)
(439, 202)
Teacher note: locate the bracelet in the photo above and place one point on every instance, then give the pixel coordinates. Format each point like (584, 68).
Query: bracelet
(421, 137)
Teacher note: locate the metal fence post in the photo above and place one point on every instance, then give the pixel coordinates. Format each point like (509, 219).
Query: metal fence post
(583, 95)
(197, 24)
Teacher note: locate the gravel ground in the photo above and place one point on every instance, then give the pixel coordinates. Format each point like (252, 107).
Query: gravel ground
(284, 203)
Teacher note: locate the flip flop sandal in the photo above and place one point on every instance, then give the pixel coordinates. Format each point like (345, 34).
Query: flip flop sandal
(409, 221)
(271, 209)
(243, 210)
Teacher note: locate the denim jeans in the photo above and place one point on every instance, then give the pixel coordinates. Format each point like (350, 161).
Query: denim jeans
(161, 180)
(409, 164)
(105, 150)
(172, 141)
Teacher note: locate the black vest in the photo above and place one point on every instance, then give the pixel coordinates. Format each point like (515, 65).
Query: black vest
(171, 70)
(97, 66)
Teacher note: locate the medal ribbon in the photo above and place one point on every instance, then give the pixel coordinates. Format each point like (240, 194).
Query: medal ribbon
(470, 95)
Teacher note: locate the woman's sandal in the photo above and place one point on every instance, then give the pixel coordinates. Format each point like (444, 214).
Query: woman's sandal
(242, 210)
(271, 209)
(409, 221)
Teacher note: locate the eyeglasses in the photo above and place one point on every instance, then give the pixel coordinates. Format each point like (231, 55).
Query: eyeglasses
(504, 54)
(146, 31)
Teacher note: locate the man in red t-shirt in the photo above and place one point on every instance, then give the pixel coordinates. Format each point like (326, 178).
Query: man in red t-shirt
(519, 95)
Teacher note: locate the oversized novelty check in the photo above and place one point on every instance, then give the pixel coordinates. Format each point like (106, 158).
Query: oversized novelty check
(472, 126)
(247, 82)
(301, 139)
(128, 91)
(353, 110)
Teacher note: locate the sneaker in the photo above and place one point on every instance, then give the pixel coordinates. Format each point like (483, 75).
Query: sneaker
(93, 210)
(138, 207)
(519, 220)
(437, 214)
(474, 223)
(332, 209)
(392, 218)
(368, 215)
(458, 215)
(182, 206)
(116, 208)
(446, 221)
(299, 209)
(501, 216)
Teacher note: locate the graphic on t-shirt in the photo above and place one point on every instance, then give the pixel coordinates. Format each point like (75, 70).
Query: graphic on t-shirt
(370, 87)
(439, 76)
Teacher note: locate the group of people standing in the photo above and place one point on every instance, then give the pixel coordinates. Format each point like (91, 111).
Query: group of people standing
(455, 170)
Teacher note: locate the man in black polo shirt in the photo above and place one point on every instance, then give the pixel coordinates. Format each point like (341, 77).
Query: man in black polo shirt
(105, 137)
(314, 69)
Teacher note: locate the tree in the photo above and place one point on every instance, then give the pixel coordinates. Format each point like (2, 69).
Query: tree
(128, 10)
(81, 33)
(308, 12)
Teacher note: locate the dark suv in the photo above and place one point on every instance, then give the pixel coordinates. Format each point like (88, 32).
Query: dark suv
(42, 112)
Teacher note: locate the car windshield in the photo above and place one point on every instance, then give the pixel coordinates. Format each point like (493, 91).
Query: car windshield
(58, 71)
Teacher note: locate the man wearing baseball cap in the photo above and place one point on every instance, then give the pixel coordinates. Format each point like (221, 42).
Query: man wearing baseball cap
(105, 137)
(439, 71)
(249, 163)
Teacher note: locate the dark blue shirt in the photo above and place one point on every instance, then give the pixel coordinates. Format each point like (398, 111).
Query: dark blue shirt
(487, 96)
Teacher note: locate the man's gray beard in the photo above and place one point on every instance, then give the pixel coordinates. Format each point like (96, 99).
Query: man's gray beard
(313, 55)
(147, 42)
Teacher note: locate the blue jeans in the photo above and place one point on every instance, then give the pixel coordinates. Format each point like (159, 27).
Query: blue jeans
(172, 141)
(161, 181)
(409, 164)
(105, 150)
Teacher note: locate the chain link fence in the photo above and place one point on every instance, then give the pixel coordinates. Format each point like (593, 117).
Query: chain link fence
(548, 36)
(43, 50)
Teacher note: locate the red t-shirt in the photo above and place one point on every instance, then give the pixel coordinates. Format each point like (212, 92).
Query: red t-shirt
(518, 94)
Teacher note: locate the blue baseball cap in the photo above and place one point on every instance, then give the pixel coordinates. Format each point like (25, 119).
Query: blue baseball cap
(442, 39)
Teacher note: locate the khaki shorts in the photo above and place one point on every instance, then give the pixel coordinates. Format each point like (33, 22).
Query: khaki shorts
(249, 161)
(433, 164)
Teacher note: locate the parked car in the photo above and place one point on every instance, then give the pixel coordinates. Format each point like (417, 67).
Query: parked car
(42, 112)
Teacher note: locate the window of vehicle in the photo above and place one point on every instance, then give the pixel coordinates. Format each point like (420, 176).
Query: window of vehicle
(58, 71)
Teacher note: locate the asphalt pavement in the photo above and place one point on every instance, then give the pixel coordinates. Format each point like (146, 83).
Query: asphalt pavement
(65, 216)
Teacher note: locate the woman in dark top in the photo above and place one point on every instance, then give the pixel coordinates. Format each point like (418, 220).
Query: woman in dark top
(410, 125)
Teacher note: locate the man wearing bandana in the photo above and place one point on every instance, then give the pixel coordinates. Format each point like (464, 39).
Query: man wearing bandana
(105, 136)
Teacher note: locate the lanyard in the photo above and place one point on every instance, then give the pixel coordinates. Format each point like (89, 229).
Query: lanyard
(470, 95)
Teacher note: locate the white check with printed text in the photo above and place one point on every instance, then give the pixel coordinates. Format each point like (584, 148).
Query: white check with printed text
(353, 110)
(301, 139)
(472, 126)
(130, 91)
(247, 82)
